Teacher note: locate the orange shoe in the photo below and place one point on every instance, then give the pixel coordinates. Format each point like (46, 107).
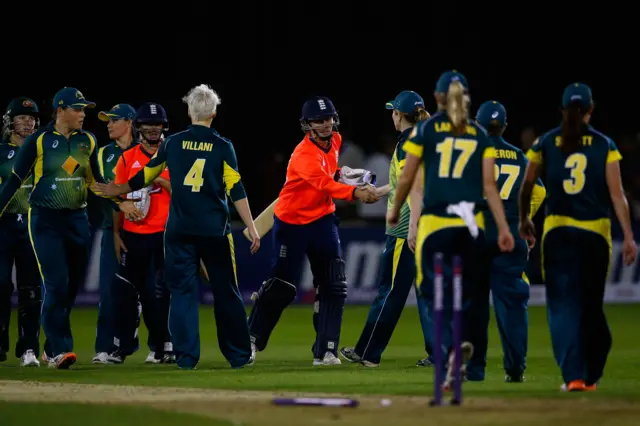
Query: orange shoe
(590, 388)
(574, 386)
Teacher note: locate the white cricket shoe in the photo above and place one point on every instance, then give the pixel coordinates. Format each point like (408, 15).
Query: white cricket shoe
(101, 358)
(151, 358)
(328, 359)
(29, 359)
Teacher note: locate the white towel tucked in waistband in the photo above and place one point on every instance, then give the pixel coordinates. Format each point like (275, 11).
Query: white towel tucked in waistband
(464, 210)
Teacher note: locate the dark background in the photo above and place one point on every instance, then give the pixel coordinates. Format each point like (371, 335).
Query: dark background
(264, 62)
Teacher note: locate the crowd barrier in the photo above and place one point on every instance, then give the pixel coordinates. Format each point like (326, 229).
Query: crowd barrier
(362, 247)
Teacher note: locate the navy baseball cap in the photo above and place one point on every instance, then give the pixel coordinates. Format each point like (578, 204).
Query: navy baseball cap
(118, 112)
(71, 97)
(577, 93)
(491, 112)
(406, 102)
(448, 77)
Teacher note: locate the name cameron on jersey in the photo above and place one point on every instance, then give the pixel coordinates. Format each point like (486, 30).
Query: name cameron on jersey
(506, 153)
(197, 146)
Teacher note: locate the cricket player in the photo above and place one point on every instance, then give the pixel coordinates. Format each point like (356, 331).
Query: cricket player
(397, 271)
(143, 240)
(204, 175)
(62, 158)
(504, 274)
(119, 121)
(305, 224)
(458, 160)
(20, 120)
(582, 175)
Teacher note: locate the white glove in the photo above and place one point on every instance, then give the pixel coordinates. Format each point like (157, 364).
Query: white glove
(145, 199)
(356, 177)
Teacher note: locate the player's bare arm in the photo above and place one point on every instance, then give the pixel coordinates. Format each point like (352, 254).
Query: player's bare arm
(505, 239)
(527, 228)
(621, 207)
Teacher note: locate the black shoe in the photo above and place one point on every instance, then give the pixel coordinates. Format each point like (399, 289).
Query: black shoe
(514, 378)
(3, 356)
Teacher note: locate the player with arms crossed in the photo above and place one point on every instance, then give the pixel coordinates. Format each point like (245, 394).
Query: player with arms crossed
(20, 120)
(582, 174)
(504, 275)
(305, 224)
(458, 160)
(398, 268)
(204, 174)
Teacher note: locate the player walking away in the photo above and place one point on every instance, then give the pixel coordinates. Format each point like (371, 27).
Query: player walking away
(582, 175)
(120, 126)
(397, 271)
(143, 240)
(19, 121)
(458, 160)
(204, 172)
(62, 158)
(504, 274)
(305, 223)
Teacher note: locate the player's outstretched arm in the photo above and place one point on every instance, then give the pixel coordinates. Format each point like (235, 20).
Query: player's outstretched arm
(405, 182)
(309, 168)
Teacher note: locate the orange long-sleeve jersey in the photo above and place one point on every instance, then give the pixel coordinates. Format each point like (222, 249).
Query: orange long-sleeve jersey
(310, 188)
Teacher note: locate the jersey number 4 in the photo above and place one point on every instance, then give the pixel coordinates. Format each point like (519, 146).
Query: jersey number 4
(194, 177)
(577, 163)
(445, 149)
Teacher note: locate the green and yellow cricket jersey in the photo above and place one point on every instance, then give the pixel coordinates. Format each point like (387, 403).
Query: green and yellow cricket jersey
(401, 230)
(510, 169)
(108, 156)
(577, 191)
(452, 164)
(19, 204)
(204, 175)
(63, 169)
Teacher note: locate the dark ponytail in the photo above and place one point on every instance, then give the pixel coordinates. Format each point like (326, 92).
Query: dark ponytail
(573, 127)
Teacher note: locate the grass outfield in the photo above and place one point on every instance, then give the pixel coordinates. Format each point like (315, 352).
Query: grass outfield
(286, 367)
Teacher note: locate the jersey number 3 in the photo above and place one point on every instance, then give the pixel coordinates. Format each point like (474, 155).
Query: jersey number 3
(577, 163)
(194, 177)
(445, 149)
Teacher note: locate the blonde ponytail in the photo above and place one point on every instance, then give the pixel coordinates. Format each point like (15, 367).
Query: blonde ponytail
(423, 114)
(457, 108)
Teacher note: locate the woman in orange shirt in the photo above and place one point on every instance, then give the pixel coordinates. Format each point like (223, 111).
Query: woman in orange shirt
(143, 248)
(305, 224)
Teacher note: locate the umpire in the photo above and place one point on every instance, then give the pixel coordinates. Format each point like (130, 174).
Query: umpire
(19, 121)
(62, 158)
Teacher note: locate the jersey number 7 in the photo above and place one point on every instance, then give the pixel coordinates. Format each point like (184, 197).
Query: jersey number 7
(194, 177)
(512, 171)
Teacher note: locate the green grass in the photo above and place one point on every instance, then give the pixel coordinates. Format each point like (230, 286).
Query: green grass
(286, 363)
(21, 413)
